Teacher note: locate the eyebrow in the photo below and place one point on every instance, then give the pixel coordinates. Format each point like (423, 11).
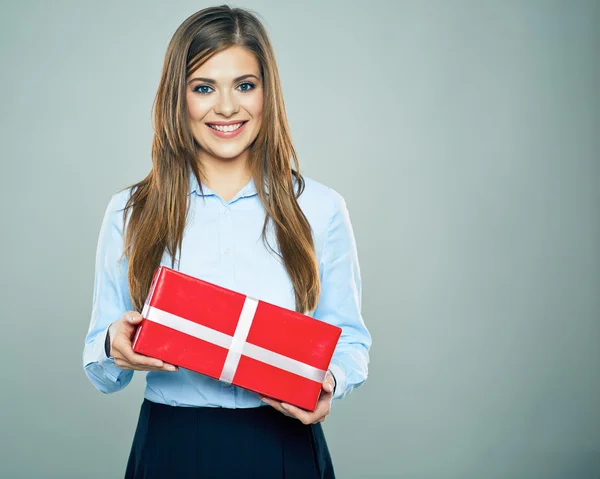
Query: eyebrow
(213, 82)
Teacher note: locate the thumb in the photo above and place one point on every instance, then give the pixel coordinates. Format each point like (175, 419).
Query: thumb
(328, 384)
(133, 317)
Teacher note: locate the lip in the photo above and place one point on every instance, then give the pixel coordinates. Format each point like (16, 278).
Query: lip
(224, 123)
(226, 134)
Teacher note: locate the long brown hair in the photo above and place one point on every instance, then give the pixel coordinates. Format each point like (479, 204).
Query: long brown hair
(160, 202)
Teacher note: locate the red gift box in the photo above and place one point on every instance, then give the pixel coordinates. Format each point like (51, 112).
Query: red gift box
(236, 339)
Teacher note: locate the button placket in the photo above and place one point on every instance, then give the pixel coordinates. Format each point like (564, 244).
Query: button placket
(227, 244)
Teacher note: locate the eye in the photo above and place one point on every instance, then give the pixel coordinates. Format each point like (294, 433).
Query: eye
(202, 92)
(251, 86)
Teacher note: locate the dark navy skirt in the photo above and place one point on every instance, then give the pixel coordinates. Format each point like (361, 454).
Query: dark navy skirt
(213, 443)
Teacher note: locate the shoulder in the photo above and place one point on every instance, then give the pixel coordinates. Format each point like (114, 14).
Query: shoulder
(323, 206)
(113, 213)
(319, 199)
(119, 199)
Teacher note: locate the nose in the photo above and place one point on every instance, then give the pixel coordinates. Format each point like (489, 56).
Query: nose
(227, 104)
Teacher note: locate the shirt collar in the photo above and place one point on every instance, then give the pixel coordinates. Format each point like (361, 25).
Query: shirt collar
(248, 190)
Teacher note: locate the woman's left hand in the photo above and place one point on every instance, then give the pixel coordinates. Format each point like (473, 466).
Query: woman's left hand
(306, 417)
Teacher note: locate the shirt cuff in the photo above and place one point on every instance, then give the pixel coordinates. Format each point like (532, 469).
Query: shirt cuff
(340, 380)
(97, 354)
(107, 343)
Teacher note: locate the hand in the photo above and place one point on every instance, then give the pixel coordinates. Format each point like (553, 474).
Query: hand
(307, 417)
(121, 332)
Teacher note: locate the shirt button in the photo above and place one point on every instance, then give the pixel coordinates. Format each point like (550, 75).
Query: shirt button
(227, 251)
(226, 211)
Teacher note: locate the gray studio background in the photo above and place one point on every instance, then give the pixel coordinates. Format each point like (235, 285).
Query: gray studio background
(464, 136)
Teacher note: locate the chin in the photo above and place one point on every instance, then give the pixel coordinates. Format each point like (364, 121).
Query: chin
(228, 153)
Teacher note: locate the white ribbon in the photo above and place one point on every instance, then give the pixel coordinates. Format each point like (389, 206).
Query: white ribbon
(239, 338)
(236, 344)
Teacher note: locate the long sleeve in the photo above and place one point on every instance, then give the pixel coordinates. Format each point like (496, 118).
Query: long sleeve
(340, 300)
(110, 300)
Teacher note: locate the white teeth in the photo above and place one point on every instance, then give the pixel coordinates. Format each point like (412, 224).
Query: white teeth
(225, 128)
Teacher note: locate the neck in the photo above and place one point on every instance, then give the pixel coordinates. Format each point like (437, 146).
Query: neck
(225, 176)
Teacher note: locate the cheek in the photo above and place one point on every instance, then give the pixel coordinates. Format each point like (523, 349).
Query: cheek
(254, 105)
(197, 108)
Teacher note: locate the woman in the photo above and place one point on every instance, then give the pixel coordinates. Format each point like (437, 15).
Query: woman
(223, 203)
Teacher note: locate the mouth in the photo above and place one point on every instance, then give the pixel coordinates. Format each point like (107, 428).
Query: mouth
(226, 128)
(227, 131)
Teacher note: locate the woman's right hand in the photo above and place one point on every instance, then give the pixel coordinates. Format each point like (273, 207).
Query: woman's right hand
(121, 333)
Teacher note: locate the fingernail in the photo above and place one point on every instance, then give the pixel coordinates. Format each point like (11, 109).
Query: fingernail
(171, 368)
(158, 364)
(284, 405)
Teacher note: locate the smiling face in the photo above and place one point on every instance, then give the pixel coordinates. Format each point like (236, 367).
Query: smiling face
(225, 100)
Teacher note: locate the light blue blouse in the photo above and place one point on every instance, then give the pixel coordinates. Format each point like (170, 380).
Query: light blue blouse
(222, 244)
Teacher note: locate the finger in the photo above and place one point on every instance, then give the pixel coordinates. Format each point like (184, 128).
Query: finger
(122, 349)
(170, 367)
(133, 317)
(273, 403)
(276, 405)
(165, 367)
(303, 416)
(122, 361)
(327, 387)
(281, 410)
(324, 395)
(323, 415)
(124, 364)
(134, 358)
(307, 417)
(328, 383)
(320, 419)
(317, 421)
